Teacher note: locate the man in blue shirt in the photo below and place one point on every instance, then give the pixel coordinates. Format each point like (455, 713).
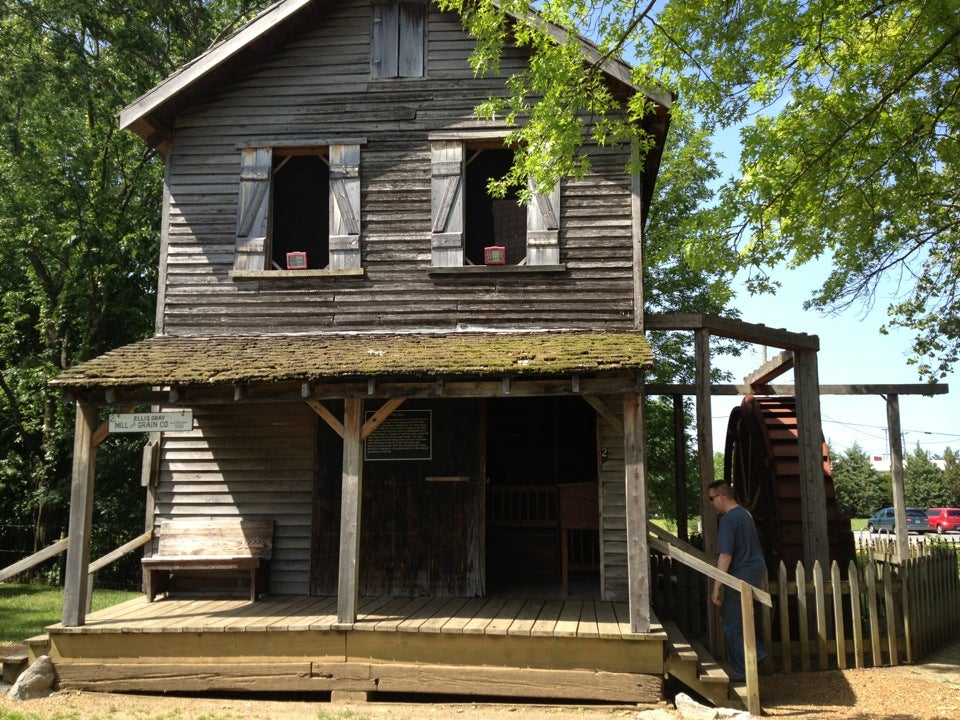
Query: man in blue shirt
(738, 553)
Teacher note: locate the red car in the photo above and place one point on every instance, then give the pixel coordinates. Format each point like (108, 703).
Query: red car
(943, 519)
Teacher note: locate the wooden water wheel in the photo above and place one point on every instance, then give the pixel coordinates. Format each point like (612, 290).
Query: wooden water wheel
(761, 459)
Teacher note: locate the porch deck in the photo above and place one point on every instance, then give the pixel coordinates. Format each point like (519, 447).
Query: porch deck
(570, 649)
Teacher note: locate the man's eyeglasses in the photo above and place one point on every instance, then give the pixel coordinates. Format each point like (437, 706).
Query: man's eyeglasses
(712, 497)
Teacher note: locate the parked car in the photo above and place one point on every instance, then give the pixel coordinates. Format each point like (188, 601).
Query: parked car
(943, 519)
(883, 520)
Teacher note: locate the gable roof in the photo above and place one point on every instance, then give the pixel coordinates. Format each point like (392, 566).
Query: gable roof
(151, 115)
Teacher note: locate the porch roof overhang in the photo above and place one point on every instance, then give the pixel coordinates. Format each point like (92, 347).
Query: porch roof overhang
(198, 369)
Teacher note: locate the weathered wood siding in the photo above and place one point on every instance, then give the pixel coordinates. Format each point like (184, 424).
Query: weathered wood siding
(247, 460)
(613, 518)
(318, 87)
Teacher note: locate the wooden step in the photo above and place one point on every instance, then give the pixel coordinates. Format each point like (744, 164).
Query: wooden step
(689, 662)
(710, 670)
(14, 663)
(677, 644)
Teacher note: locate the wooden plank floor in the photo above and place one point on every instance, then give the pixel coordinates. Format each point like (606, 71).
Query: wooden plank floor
(572, 618)
(551, 648)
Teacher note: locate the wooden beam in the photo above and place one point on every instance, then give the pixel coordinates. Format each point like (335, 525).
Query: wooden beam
(332, 420)
(704, 413)
(854, 389)
(635, 480)
(769, 370)
(733, 329)
(269, 392)
(376, 420)
(813, 494)
(81, 517)
(896, 472)
(351, 501)
(604, 412)
(680, 467)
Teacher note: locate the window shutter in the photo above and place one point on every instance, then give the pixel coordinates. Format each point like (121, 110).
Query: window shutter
(253, 204)
(543, 227)
(384, 39)
(446, 203)
(412, 25)
(344, 207)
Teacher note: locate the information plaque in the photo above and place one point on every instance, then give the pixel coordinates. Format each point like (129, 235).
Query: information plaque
(405, 435)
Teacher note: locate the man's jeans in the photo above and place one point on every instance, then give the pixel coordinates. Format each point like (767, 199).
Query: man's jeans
(733, 629)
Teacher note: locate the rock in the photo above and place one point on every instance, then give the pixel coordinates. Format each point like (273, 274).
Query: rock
(36, 681)
(690, 709)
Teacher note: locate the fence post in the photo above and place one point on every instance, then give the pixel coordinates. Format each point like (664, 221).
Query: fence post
(820, 602)
(750, 649)
(856, 615)
(838, 631)
(786, 654)
(803, 617)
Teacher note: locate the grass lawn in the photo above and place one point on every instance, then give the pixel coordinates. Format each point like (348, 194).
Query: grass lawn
(25, 610)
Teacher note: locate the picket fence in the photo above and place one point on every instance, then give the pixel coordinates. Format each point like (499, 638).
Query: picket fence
(874, 612)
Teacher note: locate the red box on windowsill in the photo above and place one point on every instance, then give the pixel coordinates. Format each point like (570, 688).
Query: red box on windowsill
(296, 261)
(494, 255)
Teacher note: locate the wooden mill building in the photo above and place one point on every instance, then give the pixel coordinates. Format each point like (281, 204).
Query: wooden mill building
(448, 452)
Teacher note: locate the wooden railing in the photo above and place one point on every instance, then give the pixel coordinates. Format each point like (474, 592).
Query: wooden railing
(872, 613)
(61, 545)
(34, 560)
(670, 546)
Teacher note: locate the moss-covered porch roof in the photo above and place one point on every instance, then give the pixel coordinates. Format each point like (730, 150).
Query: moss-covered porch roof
(236, 359)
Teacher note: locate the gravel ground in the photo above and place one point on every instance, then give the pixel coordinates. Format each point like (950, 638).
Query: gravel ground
(928, 691)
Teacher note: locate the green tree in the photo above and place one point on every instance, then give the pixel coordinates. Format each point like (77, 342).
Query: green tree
(923, 480)
(951, 477)
(848, 117)
(79, 221)
(860, 489)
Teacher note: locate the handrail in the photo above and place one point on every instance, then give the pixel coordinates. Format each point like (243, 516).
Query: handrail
(672, 546)
(35, 559)
(119, 552)
(62, 544)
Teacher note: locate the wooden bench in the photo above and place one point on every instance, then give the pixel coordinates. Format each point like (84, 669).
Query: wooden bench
(209, 546)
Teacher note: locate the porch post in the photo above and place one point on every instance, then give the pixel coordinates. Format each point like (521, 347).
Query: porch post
(77, 576)
(701, 344)
(813, 494)
(708, 516)
(896, 473)
(638, 554)
(348, 585)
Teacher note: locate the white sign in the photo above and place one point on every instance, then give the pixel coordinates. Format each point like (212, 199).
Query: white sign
(174, 421)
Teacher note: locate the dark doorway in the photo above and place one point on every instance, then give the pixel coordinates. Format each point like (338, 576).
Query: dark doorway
(535, 448)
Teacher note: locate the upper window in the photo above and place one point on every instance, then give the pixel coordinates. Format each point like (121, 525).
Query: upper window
(470, 227)
(299, 208)
(299, 232)
(398, 39)
(492, 222)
